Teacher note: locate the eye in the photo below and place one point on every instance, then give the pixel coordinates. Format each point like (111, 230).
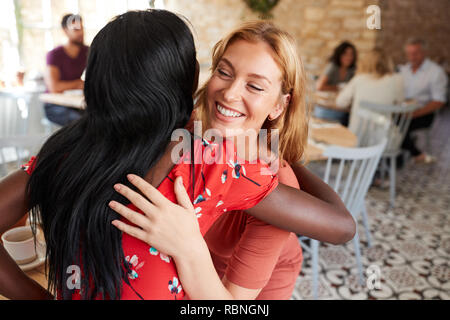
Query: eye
(223, 73)
(252, 86)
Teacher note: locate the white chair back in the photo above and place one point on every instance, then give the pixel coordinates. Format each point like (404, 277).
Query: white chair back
(355, 170)
(23, 146)
(13, 115)
(370, 127)
(21, 133)
(400, 118)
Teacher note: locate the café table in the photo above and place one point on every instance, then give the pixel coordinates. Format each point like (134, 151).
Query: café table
(323, 133)
(327, 99)
(64, 99)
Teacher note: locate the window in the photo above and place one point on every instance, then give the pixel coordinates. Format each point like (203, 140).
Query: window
(31, 28)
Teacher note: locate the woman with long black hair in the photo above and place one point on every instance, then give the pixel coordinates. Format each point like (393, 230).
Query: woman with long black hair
(138, 90)
(140, 79)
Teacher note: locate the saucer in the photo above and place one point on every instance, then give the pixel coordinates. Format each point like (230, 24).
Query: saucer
(40, 250)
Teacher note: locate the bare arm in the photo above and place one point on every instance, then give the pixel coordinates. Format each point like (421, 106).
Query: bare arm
(173, 229)
(321, 84)
(55, 85)
(316, 211)
(14, 283)
(429, 108)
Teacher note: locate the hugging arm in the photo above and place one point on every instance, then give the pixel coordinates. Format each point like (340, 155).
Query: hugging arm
(173, 229)
(14, 283)
(316, 211)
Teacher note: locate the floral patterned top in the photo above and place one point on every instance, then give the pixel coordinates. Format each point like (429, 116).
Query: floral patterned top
(215, 187)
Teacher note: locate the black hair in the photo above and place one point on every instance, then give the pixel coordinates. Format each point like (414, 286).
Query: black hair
(339, 51)
(70, 18)
(138, 89)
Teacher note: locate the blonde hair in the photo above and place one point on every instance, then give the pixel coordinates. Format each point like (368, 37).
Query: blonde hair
(293, 122)
(375, 63)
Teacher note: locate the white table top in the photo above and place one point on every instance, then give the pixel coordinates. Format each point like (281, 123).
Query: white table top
(62, 99)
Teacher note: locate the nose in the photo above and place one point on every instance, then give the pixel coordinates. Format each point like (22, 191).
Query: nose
(233, 91)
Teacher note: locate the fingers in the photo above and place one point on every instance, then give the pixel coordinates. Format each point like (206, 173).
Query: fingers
(131, 215)
(148, 190)
(132, 231)
(138, 200)
(181, 194)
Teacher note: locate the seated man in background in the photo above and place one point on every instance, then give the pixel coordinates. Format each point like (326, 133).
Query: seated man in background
(65, 65)
(425, 82)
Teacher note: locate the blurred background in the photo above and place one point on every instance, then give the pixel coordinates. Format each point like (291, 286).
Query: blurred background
(31, 28)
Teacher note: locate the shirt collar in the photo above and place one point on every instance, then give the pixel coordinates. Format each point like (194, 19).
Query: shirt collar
(422, 67)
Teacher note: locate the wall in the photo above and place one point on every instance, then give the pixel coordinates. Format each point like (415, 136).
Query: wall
(318, 25)
(428, 19)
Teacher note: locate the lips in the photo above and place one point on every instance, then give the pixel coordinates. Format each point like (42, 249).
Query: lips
(227, 112)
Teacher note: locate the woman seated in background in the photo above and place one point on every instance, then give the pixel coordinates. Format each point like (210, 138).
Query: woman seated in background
(339, 70)
(375, 81)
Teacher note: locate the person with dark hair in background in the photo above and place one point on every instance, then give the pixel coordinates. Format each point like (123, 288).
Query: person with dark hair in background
(340, 70)
(65, 65)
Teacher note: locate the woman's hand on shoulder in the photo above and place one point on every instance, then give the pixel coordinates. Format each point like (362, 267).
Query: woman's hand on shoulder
(168, 227)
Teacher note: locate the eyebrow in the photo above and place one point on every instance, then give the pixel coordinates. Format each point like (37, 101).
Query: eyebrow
(253, 75)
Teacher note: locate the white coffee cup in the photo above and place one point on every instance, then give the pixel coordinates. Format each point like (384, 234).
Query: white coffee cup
(20, 245)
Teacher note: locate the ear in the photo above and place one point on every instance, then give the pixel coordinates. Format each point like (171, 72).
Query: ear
(280, 107)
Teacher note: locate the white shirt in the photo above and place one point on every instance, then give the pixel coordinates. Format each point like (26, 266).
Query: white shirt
(428, 83)
(386, 90)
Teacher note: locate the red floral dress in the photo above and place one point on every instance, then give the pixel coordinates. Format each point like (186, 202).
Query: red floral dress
(214, 188)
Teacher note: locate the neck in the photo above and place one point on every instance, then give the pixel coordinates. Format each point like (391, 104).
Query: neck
(417, 66)
(162, 168)
(73, 45)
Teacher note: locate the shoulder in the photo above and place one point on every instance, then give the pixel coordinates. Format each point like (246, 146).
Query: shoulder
(29, 166)
(396, 78)
(216, 156)
(362, 77)
(56, 51)
(287, 176)
(85, 49)
(430, 64)
(331, 67)
(435, 68)
(218, 172)
(404, 68)
(55, 55)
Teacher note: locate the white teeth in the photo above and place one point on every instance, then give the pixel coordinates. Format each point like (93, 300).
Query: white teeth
(227, 112)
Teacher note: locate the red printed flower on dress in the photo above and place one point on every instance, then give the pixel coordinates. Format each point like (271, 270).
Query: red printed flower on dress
(134, 262)
(174, 287)
(163, 256)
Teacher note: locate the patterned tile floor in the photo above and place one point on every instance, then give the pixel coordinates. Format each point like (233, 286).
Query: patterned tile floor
(411, 243)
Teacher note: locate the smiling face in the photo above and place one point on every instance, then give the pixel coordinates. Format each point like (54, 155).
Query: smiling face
(75, 32)
(415, 54)
(245, 88)
(347, 57)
